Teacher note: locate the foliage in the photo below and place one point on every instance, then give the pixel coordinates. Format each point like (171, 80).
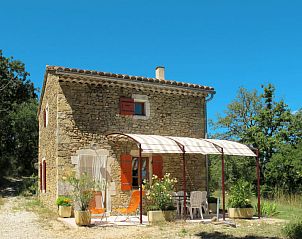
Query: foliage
(64, 201)
(284, 171)
(235, 169)
(267, 209)
(212, 200)
(18, 119)
(293, 230)
(240, 195)
(159, 192)
(82, 189)
(29, 185)
(264, 123)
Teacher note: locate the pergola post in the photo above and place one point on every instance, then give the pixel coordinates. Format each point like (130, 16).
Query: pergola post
(184, 183)
(222, 184)
(258, 181)
(140, 186)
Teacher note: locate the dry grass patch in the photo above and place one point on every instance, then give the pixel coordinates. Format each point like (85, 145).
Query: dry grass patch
(1, 201)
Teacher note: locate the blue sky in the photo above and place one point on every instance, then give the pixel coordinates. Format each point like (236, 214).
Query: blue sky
(224, 44)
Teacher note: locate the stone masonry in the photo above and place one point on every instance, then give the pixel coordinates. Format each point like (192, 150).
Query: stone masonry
(82, 114)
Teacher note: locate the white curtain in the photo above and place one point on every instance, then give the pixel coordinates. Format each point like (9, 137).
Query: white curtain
(96, 167)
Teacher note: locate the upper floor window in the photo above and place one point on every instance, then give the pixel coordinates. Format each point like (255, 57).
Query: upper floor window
(139, 108)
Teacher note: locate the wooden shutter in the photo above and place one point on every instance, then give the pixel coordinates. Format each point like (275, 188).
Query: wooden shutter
(40, 173)
(126, 172)
(126, 106)
(44, 175)
(157, 165)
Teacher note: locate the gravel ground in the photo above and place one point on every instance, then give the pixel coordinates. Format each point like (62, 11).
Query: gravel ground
(17, 220)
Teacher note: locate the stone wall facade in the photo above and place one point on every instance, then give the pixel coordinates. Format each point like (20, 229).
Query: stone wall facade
(84, 113)
(48, 146)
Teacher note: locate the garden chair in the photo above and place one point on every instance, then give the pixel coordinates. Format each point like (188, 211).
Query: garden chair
(204, 202)
(96, 207)
(195, 202)
(132, 207)
(176, 201)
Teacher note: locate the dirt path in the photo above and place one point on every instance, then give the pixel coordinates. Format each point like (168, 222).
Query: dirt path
(18, 224)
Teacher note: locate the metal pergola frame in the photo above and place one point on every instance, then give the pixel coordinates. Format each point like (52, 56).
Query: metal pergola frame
(183, 151)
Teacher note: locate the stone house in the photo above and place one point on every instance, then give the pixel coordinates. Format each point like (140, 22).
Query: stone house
(79, 108)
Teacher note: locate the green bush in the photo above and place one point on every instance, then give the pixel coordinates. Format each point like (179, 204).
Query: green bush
(29, 185)
(159, 192)
(240, 195)
(267, 209)
(293, 230)
(64, 201)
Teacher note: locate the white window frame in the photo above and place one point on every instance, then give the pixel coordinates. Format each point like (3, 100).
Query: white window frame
(142, 99)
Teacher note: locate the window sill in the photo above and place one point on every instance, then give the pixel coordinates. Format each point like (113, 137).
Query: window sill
(143, 117)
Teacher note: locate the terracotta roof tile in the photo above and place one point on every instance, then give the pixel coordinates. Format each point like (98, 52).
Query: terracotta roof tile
(134, 78)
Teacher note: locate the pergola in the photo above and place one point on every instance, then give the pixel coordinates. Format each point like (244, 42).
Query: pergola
(187, 145)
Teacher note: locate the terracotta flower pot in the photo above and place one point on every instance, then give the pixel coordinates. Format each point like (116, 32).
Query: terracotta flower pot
(241, 213)
(82, 218)
(64, 211)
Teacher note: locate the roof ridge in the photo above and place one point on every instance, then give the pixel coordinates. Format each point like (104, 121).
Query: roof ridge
(126, 76)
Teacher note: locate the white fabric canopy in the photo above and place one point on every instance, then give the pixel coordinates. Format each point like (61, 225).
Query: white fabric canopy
(196, 146)
(154, 143)
(170, 144)
(232, 148)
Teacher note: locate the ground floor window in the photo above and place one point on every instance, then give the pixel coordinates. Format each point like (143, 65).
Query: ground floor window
(135, 171)
(130, 170)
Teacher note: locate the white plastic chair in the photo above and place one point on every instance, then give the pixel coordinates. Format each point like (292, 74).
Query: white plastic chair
(204, 201)
(195, 202)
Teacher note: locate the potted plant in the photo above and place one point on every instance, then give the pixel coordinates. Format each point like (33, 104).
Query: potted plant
(212, 204)
(159, 195)
(239, 201)
(82, 193)
(64, 206)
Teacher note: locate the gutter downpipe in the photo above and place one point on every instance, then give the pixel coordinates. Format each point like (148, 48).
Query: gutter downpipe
(206, 136)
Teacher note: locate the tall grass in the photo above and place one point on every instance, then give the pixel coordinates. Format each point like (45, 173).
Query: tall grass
(289, 206)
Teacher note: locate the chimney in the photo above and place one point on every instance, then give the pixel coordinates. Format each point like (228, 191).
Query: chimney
(160, 72)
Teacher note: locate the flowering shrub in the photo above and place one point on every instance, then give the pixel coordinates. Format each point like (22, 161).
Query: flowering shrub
(64, 201)
(159, 192)
(240, 195)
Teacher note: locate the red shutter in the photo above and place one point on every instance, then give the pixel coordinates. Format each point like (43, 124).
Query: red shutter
(44, 175)
(157, 166)
(126, 106)
(44, 117)
(40, 171)
(126, 172)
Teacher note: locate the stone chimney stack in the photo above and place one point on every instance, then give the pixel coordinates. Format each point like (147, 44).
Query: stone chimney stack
(160, 72)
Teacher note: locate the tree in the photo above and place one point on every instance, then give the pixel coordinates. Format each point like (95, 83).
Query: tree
(17, 96)
(284, 171)
(257, 120)
(260, 121)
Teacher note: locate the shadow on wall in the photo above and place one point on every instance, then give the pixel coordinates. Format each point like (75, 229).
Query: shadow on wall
(219, 235)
